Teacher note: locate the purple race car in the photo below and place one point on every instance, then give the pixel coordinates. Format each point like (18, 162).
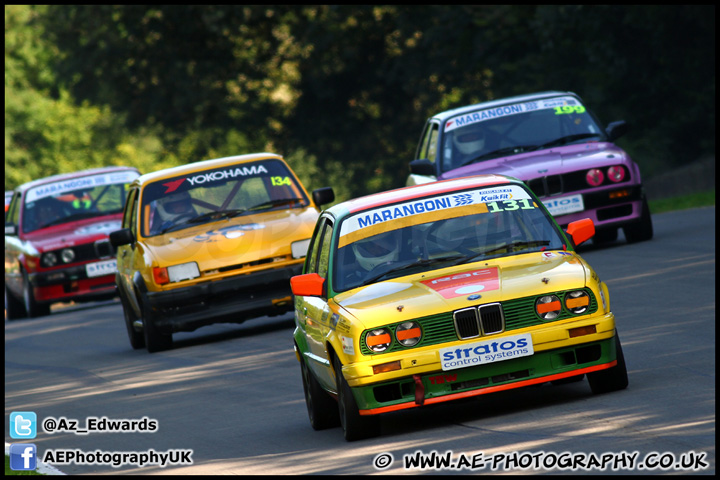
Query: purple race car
(555, 145)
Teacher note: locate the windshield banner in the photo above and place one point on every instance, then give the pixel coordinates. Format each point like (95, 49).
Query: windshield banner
(507, 110)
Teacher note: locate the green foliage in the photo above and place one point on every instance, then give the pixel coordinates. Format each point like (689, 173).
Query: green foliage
(341, 90)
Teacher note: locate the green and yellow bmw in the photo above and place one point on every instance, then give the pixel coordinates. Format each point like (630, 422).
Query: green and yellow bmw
(443, 291)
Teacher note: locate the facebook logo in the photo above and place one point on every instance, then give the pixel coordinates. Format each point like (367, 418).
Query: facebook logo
(23, 456)
(23, 425)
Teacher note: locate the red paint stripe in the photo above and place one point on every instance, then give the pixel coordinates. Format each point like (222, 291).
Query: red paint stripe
(483, 391)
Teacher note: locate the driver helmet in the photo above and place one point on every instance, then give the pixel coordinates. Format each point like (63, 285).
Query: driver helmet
(175, 205)
(376, 250)
(469, 140)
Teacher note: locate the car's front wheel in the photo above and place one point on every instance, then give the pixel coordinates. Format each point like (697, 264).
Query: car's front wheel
(137, 339)
(355, 426)
(14, 308)
(322, 408)
(155, 340)
(611, 379)
(32, 307)
(641, 230)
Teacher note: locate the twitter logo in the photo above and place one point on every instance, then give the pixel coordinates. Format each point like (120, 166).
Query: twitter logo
(23, 425)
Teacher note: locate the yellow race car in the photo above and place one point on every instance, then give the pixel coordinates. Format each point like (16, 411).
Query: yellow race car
(209, 242)
(443, 291)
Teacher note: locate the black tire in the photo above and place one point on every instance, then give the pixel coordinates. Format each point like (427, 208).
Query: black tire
(641, 230)
(14, 308)
(612, 379)
(32, 307)
(322, 408)
(355, 426)
(155, 340)
(137, 339)
(605, 236)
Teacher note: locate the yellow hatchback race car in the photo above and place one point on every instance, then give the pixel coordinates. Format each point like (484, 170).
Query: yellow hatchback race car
(445, 291)
(211, 242)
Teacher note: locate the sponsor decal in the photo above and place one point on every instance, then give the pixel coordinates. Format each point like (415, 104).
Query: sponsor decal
(488, 351)
(430, 208)
(464, 283)
(505, 111)
(91, 181)
(172, 186)
(347, 345)
(226, 174)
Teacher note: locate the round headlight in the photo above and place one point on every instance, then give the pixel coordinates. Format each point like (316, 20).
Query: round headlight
(67, 255)
(616, 173)
(577, 302)
(594, 177)
(548, 307)
(378, 340)
(408, 333)
(49, 259)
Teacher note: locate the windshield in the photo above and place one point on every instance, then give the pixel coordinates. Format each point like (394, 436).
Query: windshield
(177, 203)
(512, 129)
(438, 232)
(79, 198)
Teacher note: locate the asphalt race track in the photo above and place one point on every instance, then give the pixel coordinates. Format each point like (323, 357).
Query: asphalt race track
(232, 394)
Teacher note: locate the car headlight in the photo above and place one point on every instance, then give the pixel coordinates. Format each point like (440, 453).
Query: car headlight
(176, 273)
(577, 302)
(408, 333)
(594, 177)
(67, 255)
(378, 340)
(49, 259)
(616, 173)
(548, 307)
(299, 249)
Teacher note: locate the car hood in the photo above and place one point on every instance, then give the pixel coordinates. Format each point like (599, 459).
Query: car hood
(541, 163)
(450, 289)
(74, 233)
(233, 241)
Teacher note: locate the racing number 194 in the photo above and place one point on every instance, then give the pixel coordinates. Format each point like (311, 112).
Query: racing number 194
(523, 204)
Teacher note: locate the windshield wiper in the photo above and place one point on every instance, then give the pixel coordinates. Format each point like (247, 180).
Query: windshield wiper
(569, 139)
(275, 203)
(71, 218)
(507, 246)
(407, 266)
(217, 215)
(501, 152)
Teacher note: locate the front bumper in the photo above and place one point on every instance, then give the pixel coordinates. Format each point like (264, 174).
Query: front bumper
(71, 284)
(231, 300)
(607, 212)
(421, 381)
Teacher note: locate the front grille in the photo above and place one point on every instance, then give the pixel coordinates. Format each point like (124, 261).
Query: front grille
(486, 319)
(491, 318)
(565, 183)
(466, 323)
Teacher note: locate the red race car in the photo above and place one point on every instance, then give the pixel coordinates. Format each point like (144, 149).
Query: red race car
(56, 239)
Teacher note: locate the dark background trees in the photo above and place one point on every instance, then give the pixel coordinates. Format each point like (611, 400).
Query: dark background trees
(341, 91)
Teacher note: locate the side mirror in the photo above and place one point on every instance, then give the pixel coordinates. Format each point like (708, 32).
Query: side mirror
(616, 130)
(422, 166)
(581, 230)
(307, 285)
(121, 237)
(324, 195)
